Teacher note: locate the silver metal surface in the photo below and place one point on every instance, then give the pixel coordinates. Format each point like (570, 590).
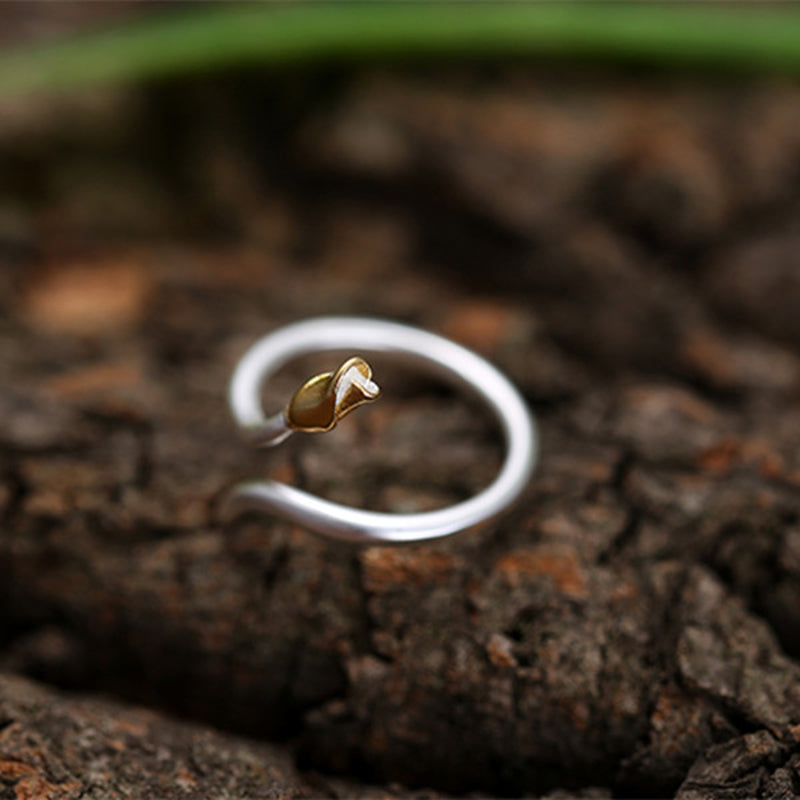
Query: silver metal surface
(436, 355)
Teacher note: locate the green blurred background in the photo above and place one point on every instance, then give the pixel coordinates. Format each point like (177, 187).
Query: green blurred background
(132, 119)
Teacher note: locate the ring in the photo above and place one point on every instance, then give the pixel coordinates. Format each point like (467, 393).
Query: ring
(324, 399)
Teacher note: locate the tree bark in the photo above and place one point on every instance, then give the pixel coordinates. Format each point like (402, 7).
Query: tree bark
(631, 625)
(66, 748)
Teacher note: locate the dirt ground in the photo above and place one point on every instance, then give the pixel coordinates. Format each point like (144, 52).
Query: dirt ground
(623, 245)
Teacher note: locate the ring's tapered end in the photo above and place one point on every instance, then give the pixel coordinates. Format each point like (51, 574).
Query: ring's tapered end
(324, 399)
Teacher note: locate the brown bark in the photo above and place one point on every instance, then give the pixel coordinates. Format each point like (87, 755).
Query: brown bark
(631, 625)
(64, 748)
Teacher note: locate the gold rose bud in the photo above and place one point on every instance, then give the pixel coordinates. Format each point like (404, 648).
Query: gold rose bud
(324, 399)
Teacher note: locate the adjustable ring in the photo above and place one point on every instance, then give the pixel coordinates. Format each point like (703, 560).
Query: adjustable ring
(324, 399)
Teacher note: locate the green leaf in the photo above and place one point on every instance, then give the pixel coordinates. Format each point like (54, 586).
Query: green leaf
(720, 36)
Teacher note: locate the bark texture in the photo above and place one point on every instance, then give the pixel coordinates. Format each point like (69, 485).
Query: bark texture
(624, 249)
(65, 748)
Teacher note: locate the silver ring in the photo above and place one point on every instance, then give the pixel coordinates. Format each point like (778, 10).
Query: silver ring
(324, 399)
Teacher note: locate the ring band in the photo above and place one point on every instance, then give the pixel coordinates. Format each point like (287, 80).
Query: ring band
(325, 396)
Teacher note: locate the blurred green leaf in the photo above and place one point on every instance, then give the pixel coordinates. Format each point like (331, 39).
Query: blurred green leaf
(720, 36)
